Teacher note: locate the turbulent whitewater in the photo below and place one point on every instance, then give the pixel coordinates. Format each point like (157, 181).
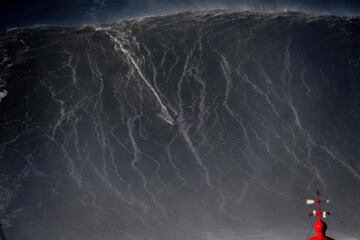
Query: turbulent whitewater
(198, 125)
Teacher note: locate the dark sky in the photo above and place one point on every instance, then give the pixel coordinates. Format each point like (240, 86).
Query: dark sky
(16, 13)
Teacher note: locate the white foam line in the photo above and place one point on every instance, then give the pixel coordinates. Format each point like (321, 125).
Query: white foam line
(164, 112)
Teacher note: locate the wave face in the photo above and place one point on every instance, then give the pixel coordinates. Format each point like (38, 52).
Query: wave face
(198, 125)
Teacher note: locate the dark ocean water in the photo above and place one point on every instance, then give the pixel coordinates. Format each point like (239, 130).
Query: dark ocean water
(199, 125)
